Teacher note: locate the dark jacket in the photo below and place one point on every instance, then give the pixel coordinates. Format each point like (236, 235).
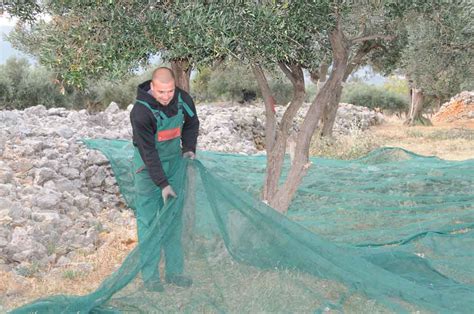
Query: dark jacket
(144, 129)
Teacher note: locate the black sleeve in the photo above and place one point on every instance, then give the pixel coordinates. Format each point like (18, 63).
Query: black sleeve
(144, 138)
(190, 127)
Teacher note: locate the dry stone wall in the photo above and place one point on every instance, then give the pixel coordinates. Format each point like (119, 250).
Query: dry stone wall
(55, 194)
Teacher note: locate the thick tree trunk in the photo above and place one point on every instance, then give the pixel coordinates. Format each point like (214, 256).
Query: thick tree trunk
(182, 72)
(414, 115)
(300, 163)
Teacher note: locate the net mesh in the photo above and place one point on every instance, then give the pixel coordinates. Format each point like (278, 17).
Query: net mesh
(390, 232)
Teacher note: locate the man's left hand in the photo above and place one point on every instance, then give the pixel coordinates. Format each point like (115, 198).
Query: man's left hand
(189, 155)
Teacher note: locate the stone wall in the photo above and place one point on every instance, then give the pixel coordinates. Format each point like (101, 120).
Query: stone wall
(55, 194)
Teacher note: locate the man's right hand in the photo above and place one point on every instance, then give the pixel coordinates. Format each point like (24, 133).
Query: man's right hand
(168, 192)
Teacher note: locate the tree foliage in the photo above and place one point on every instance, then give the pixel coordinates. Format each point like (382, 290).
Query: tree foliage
(92, 40)
(434, 48)
(440, 52)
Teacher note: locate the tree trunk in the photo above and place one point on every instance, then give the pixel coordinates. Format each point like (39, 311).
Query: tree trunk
(329, 114)
(330, 110)
(300, 164)
(182, 73)
(414, 116)
(276, 138)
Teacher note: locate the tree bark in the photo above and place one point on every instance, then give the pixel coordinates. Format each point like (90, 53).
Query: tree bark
(276, 137)
(182, 73)
(330, 110)
(319, 77)
(329, 114)
(416, 107)
(300, 163)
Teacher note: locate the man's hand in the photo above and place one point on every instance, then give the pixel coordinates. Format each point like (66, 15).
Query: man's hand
(189, 155)
(168, 192)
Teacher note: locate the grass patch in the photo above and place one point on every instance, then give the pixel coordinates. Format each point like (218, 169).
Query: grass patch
(452, 134)
(442, 135)
(72, 274)
(415, 134)
(29, 270)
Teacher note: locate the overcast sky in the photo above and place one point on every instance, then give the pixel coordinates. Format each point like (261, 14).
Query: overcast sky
(6, 49)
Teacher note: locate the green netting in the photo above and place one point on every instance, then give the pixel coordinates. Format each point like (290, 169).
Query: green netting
(391, 232)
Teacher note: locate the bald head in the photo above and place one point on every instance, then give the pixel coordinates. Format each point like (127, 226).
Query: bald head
(163, 85)
(163, 75)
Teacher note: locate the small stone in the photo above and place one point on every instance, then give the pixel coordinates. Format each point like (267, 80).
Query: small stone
(63, 261)
(65, 132)
(6, 174)
(36, 111)
(48, 201)
(96, 158)
(5, 204)
(45, 216)
(112, 108)
(44, 174)
(70, 173)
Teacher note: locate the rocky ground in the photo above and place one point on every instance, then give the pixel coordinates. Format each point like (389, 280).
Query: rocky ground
(57, 196)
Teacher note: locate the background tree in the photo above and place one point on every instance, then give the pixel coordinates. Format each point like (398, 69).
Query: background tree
(444, 66)
(434, 51)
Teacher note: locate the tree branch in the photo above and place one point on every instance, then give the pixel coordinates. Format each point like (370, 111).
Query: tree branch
(270, 124)
(286, 70)
(293, 72)
(356, 59)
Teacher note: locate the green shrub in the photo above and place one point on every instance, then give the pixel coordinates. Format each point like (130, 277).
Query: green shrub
(100, 93)
(200, 85)
(362, 94)
(228, 82)
(231, 81)
(282, 90)
(22, 86)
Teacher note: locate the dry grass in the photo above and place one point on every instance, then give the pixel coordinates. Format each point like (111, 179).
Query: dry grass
(448, 141)
(352, 146)
(451, 141)
(16, 290)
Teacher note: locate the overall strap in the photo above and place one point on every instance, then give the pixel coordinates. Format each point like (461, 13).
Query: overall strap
(154, 111)
(181, 102)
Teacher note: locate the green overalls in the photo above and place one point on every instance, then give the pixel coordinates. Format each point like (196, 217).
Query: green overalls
(149, 201)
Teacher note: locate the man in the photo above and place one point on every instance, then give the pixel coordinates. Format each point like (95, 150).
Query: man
(165, 129)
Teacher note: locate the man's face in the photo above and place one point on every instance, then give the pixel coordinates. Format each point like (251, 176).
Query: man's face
(163, 92)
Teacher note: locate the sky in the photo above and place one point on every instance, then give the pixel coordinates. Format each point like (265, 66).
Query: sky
(6, 49)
